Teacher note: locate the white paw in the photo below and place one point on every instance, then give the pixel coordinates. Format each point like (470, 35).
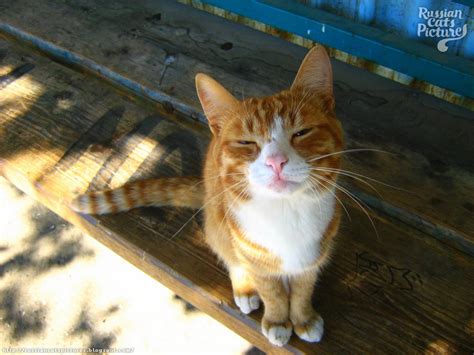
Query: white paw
(311, 332)
(247, 303)
(278, 335)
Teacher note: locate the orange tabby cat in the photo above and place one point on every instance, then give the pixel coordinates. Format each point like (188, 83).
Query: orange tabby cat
(268, 215)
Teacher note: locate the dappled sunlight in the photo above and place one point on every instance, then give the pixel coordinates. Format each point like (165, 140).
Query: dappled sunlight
(134, 160)
(35, 162)
(439, 346)
(62, 288)
(5, 69)
(13, 105)
(15, 226)
(63, 103)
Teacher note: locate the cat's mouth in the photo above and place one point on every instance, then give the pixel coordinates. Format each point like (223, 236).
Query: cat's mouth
(278, 185)
(281, 185)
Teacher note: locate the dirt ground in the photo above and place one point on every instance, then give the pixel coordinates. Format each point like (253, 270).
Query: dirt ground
(61, 288)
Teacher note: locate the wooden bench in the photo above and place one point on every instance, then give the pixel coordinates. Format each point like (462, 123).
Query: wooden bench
(63, 131)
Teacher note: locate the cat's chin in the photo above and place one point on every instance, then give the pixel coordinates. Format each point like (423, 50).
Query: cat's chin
(277, 189)
(280, 186)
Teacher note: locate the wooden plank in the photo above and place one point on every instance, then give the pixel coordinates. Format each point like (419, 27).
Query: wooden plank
(62, 132)
(155, 48)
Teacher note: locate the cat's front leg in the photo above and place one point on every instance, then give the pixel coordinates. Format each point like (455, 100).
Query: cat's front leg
(243, 287)
(307, 323)
(276, 325)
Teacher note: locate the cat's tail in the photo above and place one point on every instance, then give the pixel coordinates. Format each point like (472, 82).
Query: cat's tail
(176, 191)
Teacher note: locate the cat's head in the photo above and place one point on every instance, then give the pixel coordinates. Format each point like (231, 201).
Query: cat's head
(273, 145)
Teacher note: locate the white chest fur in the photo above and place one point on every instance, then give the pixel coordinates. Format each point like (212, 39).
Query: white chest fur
(289, 228)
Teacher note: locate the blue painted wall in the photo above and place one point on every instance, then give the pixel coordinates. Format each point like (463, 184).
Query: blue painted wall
(401, 17)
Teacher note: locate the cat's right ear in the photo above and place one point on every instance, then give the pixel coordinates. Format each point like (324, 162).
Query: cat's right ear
(216, 101)
(315, 75)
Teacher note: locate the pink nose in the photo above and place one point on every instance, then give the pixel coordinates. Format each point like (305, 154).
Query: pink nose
(277, 162)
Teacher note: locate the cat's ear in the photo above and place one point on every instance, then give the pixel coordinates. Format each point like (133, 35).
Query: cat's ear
(216, 101)
(315, 74)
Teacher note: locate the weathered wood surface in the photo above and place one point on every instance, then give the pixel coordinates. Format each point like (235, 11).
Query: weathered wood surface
(161, 45)
(62, 133)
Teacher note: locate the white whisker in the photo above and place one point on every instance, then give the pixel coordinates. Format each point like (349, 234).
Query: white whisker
(359, 202)
(200, 209)
(245, 189)
(315, 190)
(356, 175)
(346, 151)
(335, 195)
(347, 174)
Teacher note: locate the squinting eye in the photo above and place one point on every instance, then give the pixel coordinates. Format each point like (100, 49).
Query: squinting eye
(302, 132)
(245, 142)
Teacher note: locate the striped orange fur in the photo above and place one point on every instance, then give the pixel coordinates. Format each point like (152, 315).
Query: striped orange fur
(176, 191)
(269, 194)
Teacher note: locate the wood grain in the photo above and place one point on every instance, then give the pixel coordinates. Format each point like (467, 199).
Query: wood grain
(162, 45)
(62, 133)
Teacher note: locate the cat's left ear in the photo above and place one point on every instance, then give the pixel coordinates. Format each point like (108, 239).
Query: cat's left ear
(315, 75)
(216, 101)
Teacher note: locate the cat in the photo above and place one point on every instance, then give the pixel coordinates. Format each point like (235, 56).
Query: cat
(268, 195)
